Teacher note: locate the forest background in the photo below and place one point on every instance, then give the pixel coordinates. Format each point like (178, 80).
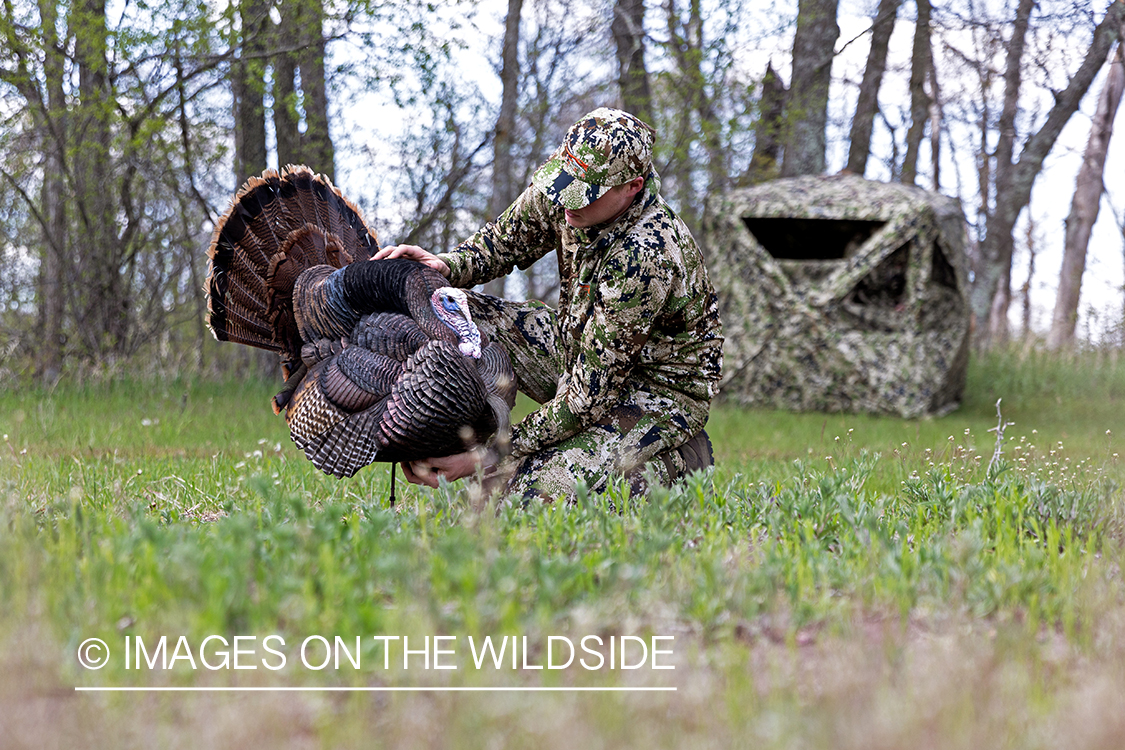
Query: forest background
(839, 580)
(127, 127)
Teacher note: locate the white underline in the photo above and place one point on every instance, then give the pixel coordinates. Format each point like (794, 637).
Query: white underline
(375, 689)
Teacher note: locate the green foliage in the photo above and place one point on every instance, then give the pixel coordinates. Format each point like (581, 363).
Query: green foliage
(840, 547)
(1093, 376)
(183, 508)
(271, 559)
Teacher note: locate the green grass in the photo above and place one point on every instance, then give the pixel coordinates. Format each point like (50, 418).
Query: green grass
(840, 580)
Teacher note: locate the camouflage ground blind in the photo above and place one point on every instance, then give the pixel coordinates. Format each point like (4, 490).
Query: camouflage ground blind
(841, 294)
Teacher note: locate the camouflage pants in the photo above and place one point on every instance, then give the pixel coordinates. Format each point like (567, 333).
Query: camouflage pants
(641, 432)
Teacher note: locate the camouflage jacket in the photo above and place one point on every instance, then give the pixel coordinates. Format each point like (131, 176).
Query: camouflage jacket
(636, 308)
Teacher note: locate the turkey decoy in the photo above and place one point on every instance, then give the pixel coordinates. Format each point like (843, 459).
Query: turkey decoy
(381, 359)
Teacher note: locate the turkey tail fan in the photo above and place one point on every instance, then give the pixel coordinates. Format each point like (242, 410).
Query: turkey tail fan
(278, 225)
(313, 199)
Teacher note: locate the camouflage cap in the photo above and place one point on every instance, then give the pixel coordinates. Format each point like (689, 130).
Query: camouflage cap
(606, 148)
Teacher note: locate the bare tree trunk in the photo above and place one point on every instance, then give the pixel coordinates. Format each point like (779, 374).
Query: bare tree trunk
(1014, 181)
(868, 101)
(247, 75)
(285, 101)
(1121, 227)
(53, 195)
(248, 89)
(679, 169)
(984, 163)
(300, 36)
(813, 49)
(935, 127)
(767, 143)
(316, 142)
(193, 196)
(998, 314)
(997, 250)
(105, 298)
(687, 47)
(919, 100)
(503, 186)
(705, 106)
(1025, 290)
(1088, 189)
(632, 75)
